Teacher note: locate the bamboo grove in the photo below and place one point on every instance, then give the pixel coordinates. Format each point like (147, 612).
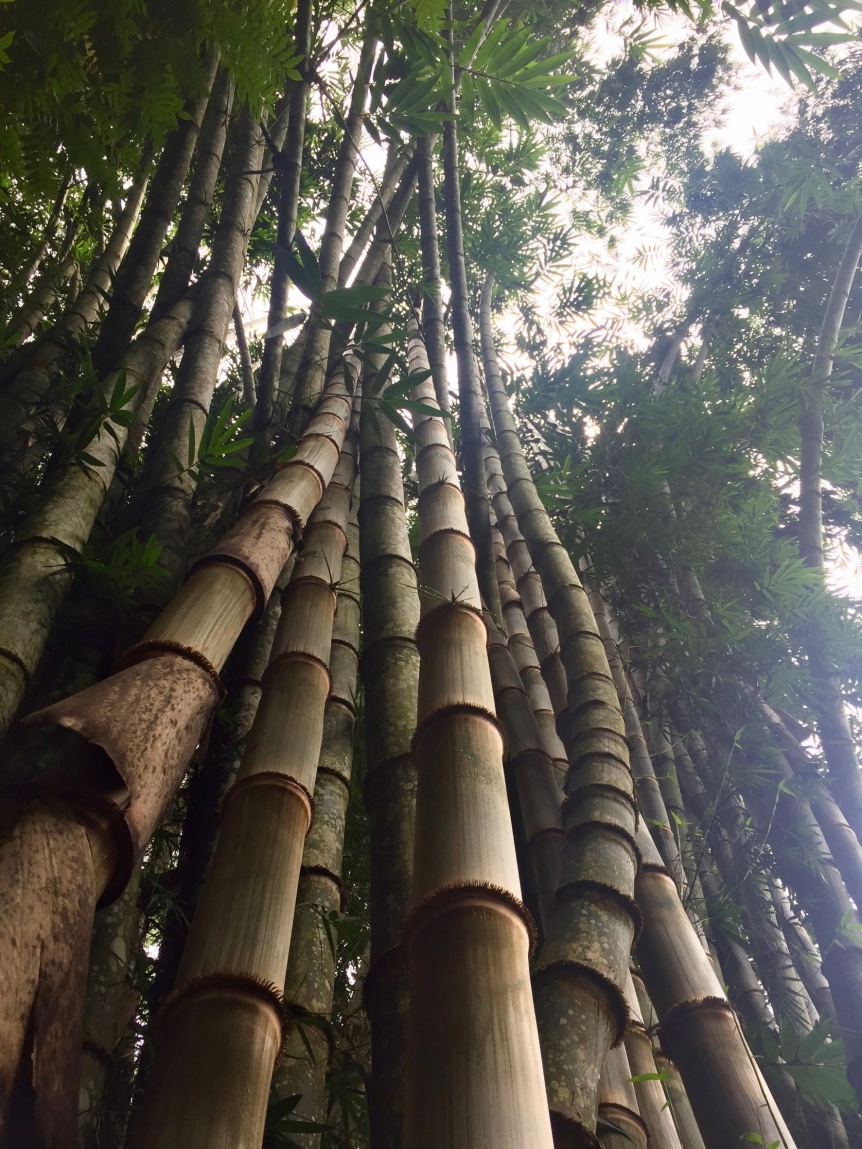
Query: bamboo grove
(430, 666)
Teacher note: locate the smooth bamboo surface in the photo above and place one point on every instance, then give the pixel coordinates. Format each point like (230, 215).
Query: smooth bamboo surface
(240, 936)
(390, 674)
(652, 1100)
(620, 1123)
(474, 1075)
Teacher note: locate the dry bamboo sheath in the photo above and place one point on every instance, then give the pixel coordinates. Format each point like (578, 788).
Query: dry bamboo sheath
(218, 1035)
(76, 846)
(474, 1074)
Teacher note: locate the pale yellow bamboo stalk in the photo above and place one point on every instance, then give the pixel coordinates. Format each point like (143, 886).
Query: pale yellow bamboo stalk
(620, 1124)
(474, 1075)
(225, 1021)
(652, 1100)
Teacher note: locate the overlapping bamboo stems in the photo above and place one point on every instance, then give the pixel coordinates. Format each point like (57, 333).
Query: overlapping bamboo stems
(24, 390)
(574, 977)
(832, 722)
(540, 623)
(165, 510)
(433, 326)
(213, 775)
(807, 955)
(474, 1073)
(397, 161)
(679, 1104)
(186, 241)
(134, 276)
(651, 1098)
(313, 367)
(49, 233)
(620, 1123)
(527, 661)
(290, 164)
(45, 290)
(63, 853)
(34, 578)
(311, 967)
(699, 1031)
(225, 1020)
(390, 676)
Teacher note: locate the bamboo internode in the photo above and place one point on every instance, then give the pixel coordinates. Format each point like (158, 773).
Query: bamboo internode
(474, 1069)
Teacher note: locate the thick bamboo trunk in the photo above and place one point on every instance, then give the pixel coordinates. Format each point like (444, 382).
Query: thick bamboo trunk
(699, 1030)
(135, 274)
(474, 1074)
(310, 980)
(225, 1021)
(315, 359)
(61, 854)
(249, 390)
(808, 961)
(390, 676)
(34, 579)
(832, 721)
(574, 976)
(620, 1123)
(210, 783)
(24, 391)
(290, 165)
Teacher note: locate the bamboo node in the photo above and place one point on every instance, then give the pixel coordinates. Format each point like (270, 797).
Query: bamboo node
(615, 995)
(670, 1025)
(18, 661)
(325, 872)
(231, 982)
(571, 889)
(456, 708)
(153, 647)
(452, 892)
(273, 778)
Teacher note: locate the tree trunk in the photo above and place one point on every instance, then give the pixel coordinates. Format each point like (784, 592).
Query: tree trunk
(135, 274)
(468, 934)
(61, 854)
(832, 721)
(34, 578)
(310, 981)
(225, 1021)
(390, 675)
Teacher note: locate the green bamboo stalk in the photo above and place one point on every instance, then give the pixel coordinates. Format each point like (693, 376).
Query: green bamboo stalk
(397, 160)
(468, 935)
(433, 326)
(225, 1021)
(390, 675)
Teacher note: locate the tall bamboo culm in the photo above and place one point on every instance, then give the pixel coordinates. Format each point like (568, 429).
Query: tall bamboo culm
(78, 843)
(310, 979)
(474, 1074)
(390, 676)
(218, 1035)
(652, 1101)
(574, 977)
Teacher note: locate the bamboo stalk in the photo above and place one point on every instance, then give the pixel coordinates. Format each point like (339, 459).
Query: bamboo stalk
(390, 675)
(61, 855)
(135, 273)
(652, 1101)
(249, 389)
(582, 969)
(34, 577)
(433, 327)
(225, 1021)
(310, 978)
(397, 160)
(313, 368)
(23, 391)
(468, 936)
(620, 1123)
